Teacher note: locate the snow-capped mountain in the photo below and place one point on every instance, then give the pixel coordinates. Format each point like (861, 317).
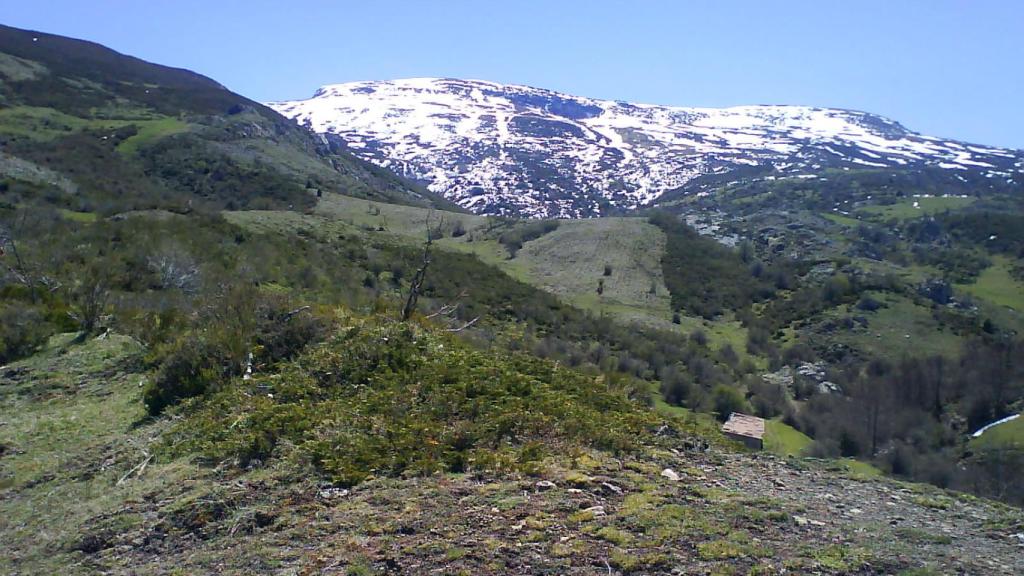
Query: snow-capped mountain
(504, 149)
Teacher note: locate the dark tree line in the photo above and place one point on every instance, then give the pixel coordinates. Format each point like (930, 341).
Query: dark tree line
(912, 417)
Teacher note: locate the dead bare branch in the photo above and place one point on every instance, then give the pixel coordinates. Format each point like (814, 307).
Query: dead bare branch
(445, 310)
(464, 326)
(137, 470)
(417, 284)
(291, 314)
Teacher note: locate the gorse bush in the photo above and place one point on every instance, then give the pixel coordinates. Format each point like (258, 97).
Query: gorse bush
(242, 326)
(23, 329)
(385, 398)
(192, 366)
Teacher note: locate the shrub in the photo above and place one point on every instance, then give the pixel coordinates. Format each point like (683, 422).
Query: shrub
(241, 323)
(23, 330)
(283, 336)
(868, 304)
(726, 401)
(188, 370)
(90, 296)
(386, 398)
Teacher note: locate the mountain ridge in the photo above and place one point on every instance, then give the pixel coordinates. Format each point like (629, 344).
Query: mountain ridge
(72, 95)
(520, 150)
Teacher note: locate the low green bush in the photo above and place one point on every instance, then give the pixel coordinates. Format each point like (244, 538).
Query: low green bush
(23, 329)
(241, 323)
(192, 366)
(386, 398)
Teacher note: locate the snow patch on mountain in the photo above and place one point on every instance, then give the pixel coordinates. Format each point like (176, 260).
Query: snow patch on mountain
(508, 149)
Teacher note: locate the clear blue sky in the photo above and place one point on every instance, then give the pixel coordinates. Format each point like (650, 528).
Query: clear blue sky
(942, 67)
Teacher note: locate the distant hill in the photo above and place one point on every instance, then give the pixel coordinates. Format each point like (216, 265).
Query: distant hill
(127, 134)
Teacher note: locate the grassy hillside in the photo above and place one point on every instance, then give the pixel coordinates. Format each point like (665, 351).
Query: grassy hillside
(997, 285)
(112, 495)
(91, 485)
(901, 286)
(916, 207)
(208, 362)
(901, 328)
(409, 221)
(785, 440)
(130, 134)
(619, 255)
(899, 324)
(1006, 436)
(569, 262)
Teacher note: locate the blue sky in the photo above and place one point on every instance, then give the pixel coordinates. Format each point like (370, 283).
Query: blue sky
(942, 67)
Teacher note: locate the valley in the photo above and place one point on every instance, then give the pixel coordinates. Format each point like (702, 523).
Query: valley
(395, 336)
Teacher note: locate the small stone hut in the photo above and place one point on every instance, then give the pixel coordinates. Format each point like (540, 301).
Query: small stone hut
(746, 429)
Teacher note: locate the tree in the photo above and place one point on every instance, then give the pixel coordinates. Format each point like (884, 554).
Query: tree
(726, 401)
(17, 265)
(746, 251)
(675, 386)
(90, 295)
(421, 273)
(872, 394)
(417, 284)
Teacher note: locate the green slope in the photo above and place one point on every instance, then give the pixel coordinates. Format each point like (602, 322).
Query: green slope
(1008, 436)
(130, 134)
(785, 440)
(91, 486)
(998, 286)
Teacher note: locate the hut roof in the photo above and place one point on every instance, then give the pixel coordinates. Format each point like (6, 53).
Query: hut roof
(744, 425)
